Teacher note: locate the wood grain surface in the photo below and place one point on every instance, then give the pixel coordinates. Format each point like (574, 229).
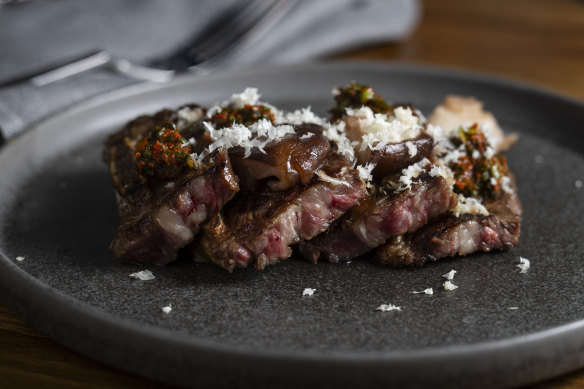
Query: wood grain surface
(540, 42)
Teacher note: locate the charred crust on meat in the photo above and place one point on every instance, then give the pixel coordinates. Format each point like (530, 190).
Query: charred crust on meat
(259, 228)
(380, 217)
(146, 232)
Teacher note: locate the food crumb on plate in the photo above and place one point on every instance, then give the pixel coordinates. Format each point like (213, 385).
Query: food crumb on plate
(449, 285)
(429, 291)
(524, 264)
(143, 275)
(450, 275)
(308, 292)
(20, 258)
(167, 309)
(578, 184)
(388, 307)
(513, 308)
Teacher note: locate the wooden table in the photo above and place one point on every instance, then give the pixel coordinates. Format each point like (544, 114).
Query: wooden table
(540, 42)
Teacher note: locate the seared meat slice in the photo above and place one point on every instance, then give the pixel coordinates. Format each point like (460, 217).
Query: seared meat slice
(283, 163)
(385, 214)
(218, 244)
(120, 147)
(450, 235)
(262, 225)
(120, 150)
(156, 223)
(159, 217)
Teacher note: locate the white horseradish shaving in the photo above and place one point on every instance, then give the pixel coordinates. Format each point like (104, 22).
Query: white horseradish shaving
(336, 133)
(409, 174)
(387, 308)
(258, 135)
(299, 116)
(449, 285)
(381, 129)
(412, 149)
(524, 264)
(143, 275)
(469, 205)
(325, 177)
(428, 291)
(365, 173)
(308, 292)
(250, 96)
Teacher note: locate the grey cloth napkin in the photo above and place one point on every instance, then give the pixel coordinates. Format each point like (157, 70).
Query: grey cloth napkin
(34, 34)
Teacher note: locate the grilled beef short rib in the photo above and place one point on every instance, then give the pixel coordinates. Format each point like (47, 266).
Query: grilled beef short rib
(295, 190)
(385, 214)
(449, 235)
(120, 150)
(260, 227)
(167, 219)
(159, 218)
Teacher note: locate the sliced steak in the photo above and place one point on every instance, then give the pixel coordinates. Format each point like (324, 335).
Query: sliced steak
(158, 222)
(120, 148)
(450, 235)
(386, 214)
(159, 217)
(261, 226)
(120, 151)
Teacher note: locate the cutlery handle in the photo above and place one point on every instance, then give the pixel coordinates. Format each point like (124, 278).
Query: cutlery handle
(74, 65)
(78, 66)
(142, 73)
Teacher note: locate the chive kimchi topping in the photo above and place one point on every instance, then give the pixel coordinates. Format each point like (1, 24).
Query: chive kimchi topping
(247, 115)
(476, 174)
(165, 154)
(356, 96)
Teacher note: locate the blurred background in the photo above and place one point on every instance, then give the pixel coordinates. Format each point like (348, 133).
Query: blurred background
(538, 42)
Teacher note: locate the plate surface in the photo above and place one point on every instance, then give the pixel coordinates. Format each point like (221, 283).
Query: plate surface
(250, 328)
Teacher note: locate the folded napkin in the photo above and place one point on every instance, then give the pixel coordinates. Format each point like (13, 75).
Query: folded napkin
(37, 33)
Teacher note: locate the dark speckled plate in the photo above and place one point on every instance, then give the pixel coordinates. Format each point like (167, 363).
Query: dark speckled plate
(256, 329)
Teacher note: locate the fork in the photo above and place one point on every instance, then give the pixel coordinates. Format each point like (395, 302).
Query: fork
(236, 28)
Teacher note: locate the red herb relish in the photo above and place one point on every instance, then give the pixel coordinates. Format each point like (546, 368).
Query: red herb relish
(165, 155)
(475, 174)
(247, 115)
(356, 96)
